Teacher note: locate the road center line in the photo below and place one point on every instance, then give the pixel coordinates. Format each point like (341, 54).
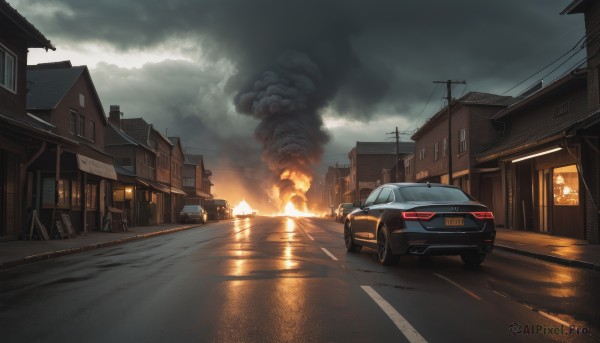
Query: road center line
(407, 330)
(458, 286)
(309, 236)
(551, 317)
(330, 254)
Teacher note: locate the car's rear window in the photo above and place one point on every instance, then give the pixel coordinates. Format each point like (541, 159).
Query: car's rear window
(347, 206)
(190, 208)
(433, 194)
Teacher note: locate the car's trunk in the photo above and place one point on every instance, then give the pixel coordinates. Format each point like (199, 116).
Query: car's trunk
(451, 217)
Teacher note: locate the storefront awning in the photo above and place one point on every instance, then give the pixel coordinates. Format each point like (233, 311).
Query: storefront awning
(154, 185)
(92, 166)
(177, 191)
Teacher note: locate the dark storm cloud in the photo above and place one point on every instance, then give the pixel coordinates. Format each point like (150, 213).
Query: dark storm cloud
(372, 54)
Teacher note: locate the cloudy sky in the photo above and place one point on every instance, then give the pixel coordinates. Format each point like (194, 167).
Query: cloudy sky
(180, 63)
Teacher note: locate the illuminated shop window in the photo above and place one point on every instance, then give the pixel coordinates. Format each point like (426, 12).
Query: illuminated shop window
(566, 186)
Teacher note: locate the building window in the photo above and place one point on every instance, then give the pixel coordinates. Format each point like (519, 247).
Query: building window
(445, 147)
(462, 143)
(81, 100)
(72, 122)
(81, 132)
(93, 130)
(8, 69)
(436, 151)
(562, 109)
(188, 182)
(422, 154)
(566, 186)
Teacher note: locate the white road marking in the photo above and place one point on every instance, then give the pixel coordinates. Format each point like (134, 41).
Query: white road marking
(309, 236)
(330, 254)
(411, 334)
(458, 286)
(551, 317)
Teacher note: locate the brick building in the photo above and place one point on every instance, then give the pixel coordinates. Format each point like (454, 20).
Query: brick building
(74, 180)
(368, 164)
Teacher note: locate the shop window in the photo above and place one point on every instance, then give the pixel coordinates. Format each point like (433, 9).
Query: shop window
(91, 196)
(50, 193)
(565, 183)
(75, 194)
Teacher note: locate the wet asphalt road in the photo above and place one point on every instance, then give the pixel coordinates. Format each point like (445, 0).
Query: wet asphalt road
(290, 280)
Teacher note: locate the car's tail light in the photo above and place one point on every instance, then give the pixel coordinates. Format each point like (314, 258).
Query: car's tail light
(417, 215)
(482, 215)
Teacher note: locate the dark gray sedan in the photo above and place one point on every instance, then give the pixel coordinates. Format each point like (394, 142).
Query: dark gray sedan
(421, 219)
(192, 213)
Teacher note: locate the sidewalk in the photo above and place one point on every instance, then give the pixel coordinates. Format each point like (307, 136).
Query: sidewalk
(15, 253)
(566, 251)
(561, 250)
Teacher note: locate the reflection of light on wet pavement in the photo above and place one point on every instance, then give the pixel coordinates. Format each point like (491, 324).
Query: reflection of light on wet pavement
(563, 278)
(241, 228)
(291, 310)
(287, 261)
(266, 285)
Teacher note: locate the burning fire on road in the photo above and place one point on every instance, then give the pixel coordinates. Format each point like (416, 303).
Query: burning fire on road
(243, 209)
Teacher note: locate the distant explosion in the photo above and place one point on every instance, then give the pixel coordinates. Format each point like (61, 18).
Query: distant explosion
(286, 98)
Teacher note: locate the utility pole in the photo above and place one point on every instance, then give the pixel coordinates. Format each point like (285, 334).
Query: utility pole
(449, 90)
(397, 133)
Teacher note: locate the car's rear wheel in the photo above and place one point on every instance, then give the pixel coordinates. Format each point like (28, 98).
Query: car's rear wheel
(348, 240)
(472, 259)
(384, 251)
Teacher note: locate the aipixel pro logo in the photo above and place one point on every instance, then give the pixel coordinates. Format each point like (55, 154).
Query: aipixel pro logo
(540, 329)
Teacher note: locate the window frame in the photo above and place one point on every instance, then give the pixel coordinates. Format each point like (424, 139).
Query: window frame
(7, 53)
(93, 130)
(81, 126)
(73, 117)
(462, 141)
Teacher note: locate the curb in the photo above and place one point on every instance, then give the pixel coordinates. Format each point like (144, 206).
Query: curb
(549, 258)
(58, 253)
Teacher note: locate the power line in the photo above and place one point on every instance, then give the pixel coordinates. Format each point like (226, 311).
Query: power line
(550, 64)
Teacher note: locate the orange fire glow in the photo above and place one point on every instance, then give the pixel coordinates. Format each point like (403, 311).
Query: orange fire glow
(243, 209)
(301, 181)
(291, 211)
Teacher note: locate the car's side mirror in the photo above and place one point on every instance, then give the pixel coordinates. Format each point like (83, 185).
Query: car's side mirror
(357, 204)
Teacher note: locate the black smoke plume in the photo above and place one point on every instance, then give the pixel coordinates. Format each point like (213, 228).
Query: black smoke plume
(286, 98)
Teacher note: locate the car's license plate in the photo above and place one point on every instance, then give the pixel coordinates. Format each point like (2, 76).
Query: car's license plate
(454, 221)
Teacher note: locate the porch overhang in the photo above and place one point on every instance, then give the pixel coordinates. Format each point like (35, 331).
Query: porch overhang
(92, 166)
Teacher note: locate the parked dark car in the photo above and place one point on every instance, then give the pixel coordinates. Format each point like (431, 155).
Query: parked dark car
(421, 219)
(343, 210)
(192, 213)
(218, 209)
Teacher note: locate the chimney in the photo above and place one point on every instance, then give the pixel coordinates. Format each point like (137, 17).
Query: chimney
(114, 116)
